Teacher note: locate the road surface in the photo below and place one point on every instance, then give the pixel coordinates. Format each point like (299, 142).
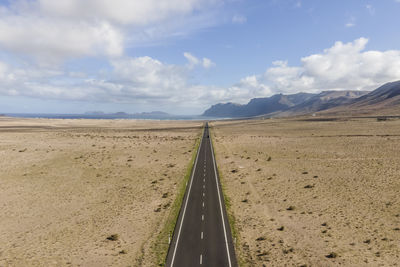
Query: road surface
(202, 235)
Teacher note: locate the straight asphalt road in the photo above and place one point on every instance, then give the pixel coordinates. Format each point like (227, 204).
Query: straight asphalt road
(202, 235)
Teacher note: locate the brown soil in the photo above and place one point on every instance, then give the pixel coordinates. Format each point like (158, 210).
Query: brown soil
(88, 192)
(313, 193)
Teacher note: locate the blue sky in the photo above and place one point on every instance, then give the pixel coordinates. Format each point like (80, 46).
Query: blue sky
(181, 56)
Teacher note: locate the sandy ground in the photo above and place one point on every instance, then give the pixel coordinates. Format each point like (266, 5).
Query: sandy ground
(313, 193)
(68, 185)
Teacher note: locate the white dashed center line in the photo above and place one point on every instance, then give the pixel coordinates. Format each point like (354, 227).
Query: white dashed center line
(201, 259)
(202, 217)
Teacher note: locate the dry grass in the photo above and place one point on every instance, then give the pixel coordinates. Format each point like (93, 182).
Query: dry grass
(88, 192)
(319, 193)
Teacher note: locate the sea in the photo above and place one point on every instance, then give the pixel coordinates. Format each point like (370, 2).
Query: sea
(109, 116)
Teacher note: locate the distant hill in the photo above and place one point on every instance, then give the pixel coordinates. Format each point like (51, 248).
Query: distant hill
(156, 115)
(151, 115)
(285, 105)
(224, 110)
(94, 113)
(324, 100)
(257, 106)
(385, 100)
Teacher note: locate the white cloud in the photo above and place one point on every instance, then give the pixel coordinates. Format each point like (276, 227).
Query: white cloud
(351, 22)
(141, 80)
(147, 77)
(192, 60)
(371, 9)
(344, 66)
(50, 40)
(147, 81)
(53, 31)
(207, 63)
(123, 11)
(3, 70)
(239, 19)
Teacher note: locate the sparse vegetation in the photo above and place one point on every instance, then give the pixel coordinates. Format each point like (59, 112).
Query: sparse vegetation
(381, 118)
(331, 255)
(102, 196)
(350, 194)
(113, 237)
(161, 245)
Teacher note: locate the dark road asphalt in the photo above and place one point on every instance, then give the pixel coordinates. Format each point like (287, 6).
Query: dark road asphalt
(202, 235)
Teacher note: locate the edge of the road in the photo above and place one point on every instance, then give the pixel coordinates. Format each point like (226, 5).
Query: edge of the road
(181, 212)
(227, 224)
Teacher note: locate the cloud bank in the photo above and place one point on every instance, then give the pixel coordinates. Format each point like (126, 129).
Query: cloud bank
(344, 66)
(52, 31)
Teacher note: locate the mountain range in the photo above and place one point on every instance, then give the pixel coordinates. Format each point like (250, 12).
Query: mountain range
(384, 100)
(258, 106)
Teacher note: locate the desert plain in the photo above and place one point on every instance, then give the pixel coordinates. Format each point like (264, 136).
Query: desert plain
(311, 191)
(88, 192)
(301, 191)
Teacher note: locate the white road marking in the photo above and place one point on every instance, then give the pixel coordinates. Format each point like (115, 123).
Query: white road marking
(204, 194)
(184, 209)
(204, 186)
(220, 206)
(204, 180)
(202, 217)
(201, 259)
(203, 204)
(202, 235)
